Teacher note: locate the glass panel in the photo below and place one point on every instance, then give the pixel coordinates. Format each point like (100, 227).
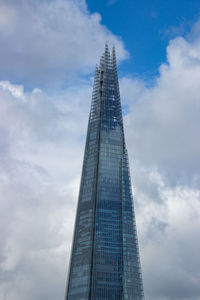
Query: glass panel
(105, 257)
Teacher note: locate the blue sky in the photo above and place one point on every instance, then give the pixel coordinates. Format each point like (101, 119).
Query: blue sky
(48, 53)
(146, 28)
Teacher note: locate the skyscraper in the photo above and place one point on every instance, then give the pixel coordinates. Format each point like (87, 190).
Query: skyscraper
(105, 261)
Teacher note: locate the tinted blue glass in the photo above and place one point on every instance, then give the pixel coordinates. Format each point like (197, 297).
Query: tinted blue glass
(105, 257)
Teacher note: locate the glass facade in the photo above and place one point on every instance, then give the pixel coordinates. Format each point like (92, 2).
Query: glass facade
(105, 261)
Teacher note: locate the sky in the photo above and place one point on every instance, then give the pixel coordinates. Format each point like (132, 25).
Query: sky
(48, 53)
(146, 28)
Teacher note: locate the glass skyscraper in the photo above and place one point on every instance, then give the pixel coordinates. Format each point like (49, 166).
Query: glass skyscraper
(105, 261)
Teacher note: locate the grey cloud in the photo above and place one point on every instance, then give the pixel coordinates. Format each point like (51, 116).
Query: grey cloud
(39, 173)
(48, 42)
(164, 121)
(163, 141)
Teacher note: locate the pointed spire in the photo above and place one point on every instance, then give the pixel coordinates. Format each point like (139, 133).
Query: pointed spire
(114, 56)
(113, 51)
(106, 56)
(106, 48)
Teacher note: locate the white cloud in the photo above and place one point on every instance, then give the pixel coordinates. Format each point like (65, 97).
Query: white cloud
(163, 141)
(40, 169)
(16, 90)
(171, 249)
(51, 41)
(164, 121)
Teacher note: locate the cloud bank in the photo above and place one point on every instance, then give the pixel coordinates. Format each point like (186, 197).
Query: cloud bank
(46, 43)
(41, 150)
(162, 130)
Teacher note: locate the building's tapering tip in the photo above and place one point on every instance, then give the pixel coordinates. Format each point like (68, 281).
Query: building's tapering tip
(114, 56)
(106, 52)
(113, 51)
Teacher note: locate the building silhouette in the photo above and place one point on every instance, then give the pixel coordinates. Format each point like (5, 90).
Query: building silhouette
(105, 261)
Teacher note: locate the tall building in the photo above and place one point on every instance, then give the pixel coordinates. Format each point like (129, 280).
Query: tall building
(105, 261)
